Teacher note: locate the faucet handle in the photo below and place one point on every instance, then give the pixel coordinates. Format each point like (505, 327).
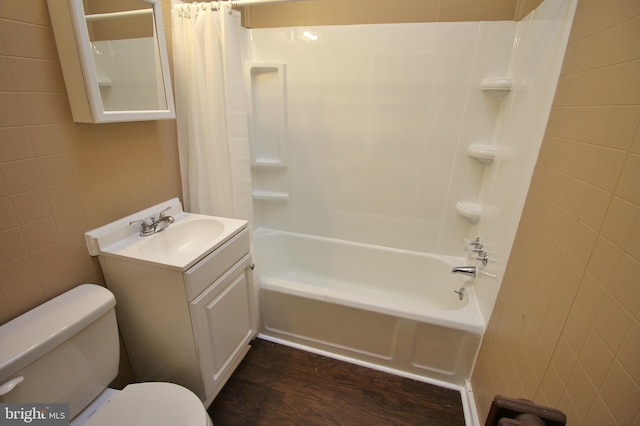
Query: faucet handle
(163, 212)
(165, 217)
(482, 256)
(472, 245)
(144, 226)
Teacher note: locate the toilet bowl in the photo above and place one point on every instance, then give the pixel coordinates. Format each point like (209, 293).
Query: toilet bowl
(67, 351)
(150, 403)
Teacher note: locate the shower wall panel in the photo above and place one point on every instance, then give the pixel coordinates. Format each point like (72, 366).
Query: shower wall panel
(379, 119)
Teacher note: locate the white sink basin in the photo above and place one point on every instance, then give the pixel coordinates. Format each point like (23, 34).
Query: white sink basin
(180, 245)
(182, 238)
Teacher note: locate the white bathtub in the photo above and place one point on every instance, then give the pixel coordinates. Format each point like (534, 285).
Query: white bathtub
(391, 308)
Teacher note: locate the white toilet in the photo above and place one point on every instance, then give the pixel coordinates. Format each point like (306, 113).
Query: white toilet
(67, 351)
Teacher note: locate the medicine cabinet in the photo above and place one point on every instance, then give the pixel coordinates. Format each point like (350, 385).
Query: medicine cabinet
(114, 59)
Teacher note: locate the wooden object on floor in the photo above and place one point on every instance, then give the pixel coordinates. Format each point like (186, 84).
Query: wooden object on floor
(508, 411)
(279, 385)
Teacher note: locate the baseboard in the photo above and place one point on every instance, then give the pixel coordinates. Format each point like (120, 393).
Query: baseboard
(469, 405)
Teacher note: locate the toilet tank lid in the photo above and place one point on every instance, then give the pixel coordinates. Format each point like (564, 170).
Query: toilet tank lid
(36, 332)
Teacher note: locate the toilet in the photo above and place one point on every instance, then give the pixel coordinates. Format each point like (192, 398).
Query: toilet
(67, 351)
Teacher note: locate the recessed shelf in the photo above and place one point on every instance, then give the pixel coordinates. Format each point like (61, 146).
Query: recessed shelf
(497, 86)
(483, 152)
(270, 196)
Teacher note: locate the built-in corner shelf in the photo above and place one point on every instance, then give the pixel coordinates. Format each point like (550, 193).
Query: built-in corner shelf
(268, 163)
(498, 86)
(470, 211)
(269, 196)
(483, 152)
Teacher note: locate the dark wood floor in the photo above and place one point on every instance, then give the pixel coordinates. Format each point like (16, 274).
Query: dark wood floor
(278, 385)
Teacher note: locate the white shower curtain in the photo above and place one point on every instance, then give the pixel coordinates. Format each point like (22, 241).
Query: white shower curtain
(210, 108)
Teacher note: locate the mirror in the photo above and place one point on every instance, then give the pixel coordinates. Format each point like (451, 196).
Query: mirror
(114, 59)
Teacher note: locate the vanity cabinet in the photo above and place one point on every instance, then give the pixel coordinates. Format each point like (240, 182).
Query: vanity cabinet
(191, 327)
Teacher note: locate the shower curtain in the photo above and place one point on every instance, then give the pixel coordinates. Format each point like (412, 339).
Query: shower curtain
(211, 109)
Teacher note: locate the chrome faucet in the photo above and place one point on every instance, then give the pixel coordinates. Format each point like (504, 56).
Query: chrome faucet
(151, 226)
(471, 271)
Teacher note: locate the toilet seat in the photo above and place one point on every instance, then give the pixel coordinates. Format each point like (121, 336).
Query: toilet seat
(151, 403)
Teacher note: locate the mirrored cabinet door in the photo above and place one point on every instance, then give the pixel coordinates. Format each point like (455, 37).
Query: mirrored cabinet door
(114, 59)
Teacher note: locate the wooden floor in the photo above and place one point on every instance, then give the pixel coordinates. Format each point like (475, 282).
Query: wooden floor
(277, 385)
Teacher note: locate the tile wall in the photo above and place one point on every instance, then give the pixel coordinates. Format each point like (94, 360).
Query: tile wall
(57, 178)
(565, 331)
(340, 12)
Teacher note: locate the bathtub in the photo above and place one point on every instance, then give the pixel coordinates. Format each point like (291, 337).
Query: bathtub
(394, 309)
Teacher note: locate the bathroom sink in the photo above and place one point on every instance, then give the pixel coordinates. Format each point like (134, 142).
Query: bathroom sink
(179, 246)
(182, 238)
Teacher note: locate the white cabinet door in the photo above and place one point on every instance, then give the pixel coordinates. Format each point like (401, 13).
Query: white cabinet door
(224, 323)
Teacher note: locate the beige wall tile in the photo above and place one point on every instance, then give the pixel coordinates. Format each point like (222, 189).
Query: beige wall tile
(596, 358)
(608, 169)
(576, 330)
(19, 10)
(14, 144)
(628, 353)
(12, 247)
(63, 197)
(621, 394)
(10, 114)
(627, 187)
(55, 169)
(595, 207)
(8, 218)
(623, 126)
(567, 406)
(604, 261)
(27, 297)
(589, 297)
(624, 286)
(31, 206)
(612, 322)
(619, 221)
(599, 414)
(630, 95)
(16, 275)
(581, 389)
(25, 40)
(39, 234)
(70, 223)
(44, 107)
(49, 260)
(21, 176)
(36, 75)
(6, 82)
(47, 139)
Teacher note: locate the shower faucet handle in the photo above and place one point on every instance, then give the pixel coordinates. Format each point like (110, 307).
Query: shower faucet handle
(483, 257)
(473, 245)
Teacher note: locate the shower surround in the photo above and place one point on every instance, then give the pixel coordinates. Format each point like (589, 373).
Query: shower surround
(403, 136)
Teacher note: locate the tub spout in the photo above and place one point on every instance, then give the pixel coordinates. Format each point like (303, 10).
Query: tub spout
(466, 270)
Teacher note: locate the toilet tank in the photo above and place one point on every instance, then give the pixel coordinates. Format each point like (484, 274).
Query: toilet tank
(66, 350)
